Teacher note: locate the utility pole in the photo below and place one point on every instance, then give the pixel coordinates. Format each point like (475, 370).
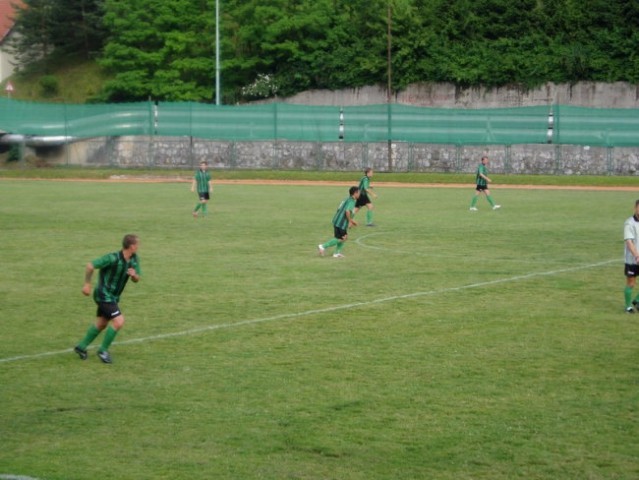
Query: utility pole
(217, 52)
(389, 87)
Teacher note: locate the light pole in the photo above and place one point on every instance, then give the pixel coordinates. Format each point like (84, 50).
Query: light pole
(389, 86)
(217, 52)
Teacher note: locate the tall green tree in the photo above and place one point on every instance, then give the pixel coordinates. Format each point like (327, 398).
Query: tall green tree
(34, 39)
(50, 29)
(159, 49)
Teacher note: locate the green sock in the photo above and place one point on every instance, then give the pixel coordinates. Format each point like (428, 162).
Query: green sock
(369, 217)
(340, 246)
(92, 332)
(474, 201)
(108, 338)
(204, 208)
(331, 243)
(490, 200)
(197, 207)
(627, 294)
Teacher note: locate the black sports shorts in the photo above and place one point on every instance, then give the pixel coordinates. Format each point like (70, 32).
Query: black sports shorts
(339, 233)
(481, 188)
(108, 310)
(204, 195)
(362, 200)
(631, 270)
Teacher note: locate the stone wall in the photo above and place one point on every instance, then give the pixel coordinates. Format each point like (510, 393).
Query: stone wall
(186, 153)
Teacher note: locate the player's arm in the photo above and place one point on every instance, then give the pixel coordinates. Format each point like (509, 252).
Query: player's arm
(631, 246)
(133, 275)
(88, 274)
(351, 221)
(210, 185)
(485, 177)
(193, 183)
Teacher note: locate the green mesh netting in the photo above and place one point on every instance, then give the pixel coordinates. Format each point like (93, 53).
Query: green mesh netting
(371, 123)
(604, 127)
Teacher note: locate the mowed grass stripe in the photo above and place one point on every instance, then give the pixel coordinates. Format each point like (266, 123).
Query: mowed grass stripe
(286, 316)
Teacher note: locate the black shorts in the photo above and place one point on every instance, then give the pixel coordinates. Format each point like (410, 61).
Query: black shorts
(362, 200)
(108, 310)
(203, 195)
(631, 270)
(481, 188)
(339, 233)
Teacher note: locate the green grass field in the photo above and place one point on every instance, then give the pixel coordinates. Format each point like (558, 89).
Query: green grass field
(447, 344)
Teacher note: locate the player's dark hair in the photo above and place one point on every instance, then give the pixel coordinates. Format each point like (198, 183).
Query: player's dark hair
(352, 190)
(129, 240)
(637, 203)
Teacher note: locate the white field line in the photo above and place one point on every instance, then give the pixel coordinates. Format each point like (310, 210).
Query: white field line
(347, 306)
(16, 477)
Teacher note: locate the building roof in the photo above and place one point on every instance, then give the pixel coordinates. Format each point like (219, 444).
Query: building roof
(7, 16)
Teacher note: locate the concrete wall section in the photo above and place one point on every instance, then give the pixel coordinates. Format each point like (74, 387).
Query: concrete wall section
(445, 95)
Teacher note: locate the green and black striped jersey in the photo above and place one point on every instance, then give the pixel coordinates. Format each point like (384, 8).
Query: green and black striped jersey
(364, 184)
(481, 170)
(202, 179)
(340, 220)
(113, 275)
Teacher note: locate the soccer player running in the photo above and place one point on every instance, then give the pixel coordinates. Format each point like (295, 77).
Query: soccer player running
(365, 191)
(342, 220)
(202, 182)
(631, 254)
(115, 271)
(482, 180)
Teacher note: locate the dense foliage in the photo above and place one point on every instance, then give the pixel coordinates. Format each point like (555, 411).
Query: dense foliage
(165, 49)
(48, 29)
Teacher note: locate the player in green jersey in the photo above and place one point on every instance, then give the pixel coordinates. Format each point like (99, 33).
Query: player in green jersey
(365, 192)
(342, 220)
(482, 180)
(631, 255)
(115, 271)
(203, 185)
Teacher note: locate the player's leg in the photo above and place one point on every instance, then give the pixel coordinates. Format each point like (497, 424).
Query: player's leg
(111, 332)
(198, 205)
(331, 243)
(112, 328)
(473, 202)
(340, 246)
(369, 214)
(489, 198)
(92, 333)
(631, 281)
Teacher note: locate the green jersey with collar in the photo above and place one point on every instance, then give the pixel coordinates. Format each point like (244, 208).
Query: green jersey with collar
(481, 170)
(364, 184)
(340, 220)
(113, 275)
(202, 179)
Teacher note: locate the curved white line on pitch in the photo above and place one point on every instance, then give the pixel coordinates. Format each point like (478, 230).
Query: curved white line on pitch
(335, 308)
